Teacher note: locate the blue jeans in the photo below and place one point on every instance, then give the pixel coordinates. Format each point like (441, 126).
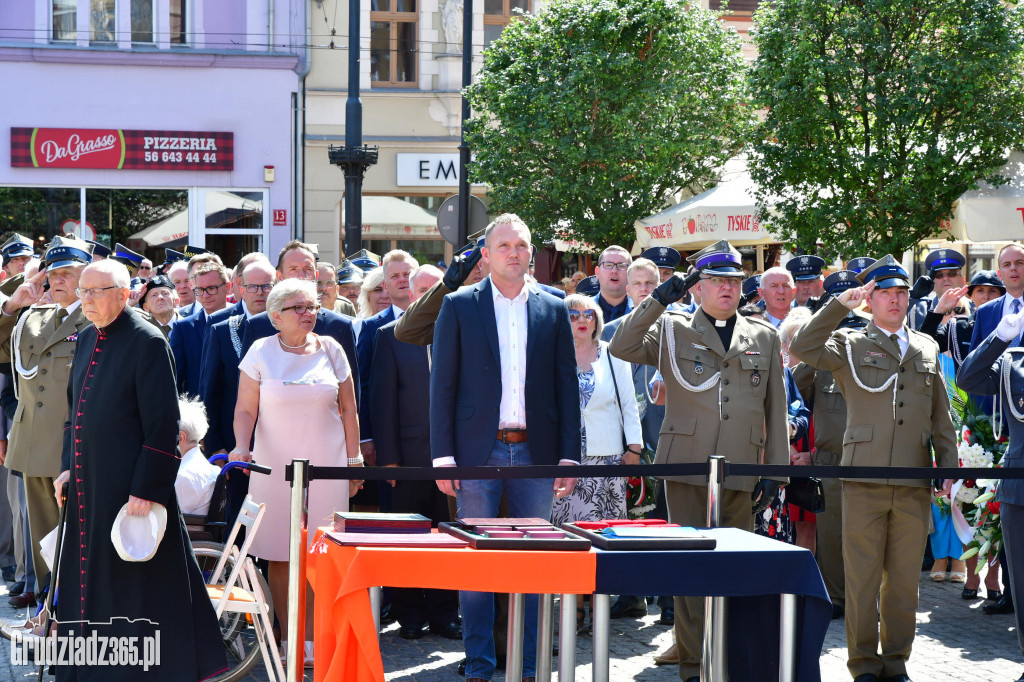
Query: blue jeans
(479, 499)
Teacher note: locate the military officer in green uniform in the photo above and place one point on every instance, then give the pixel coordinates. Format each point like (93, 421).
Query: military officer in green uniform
(39, 342)
(897, 412)
(723, 372)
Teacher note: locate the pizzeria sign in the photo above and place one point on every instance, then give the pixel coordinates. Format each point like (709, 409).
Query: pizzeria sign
(116, 149)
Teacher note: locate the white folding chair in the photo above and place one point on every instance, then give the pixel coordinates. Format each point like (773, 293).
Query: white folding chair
(241, 592)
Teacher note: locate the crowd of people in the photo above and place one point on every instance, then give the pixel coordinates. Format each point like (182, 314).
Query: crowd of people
(641, 361)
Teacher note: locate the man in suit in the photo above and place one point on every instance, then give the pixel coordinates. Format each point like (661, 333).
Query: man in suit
(724, 372)
(945, 270)
(212, 285)
(1011, 273)
(223, 351)
(503, 391)
(401, 412)
(778, 291)
(897, 413)
(398, 265)
(296, 260)
(40, 341)
(821, 393)
(981, 373)
(178, 274)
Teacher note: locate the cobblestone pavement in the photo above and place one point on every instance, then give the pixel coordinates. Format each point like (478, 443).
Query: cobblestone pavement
(955, 642)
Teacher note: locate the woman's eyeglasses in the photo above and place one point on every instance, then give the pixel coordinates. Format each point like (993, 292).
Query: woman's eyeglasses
(588, 315)
(302, 309)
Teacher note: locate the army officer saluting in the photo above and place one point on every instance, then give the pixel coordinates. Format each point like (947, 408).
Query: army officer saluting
(721, 371)
(897, 411)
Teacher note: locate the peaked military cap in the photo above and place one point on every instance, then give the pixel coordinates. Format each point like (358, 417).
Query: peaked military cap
(885, 272)
(189, 251)
(365, 260)
(349, 274)
(67, 251)
(720, 259)
(127, 257)
(944, 259)
(663, 257)
(805, 268)
(840, 281)
(16, 246)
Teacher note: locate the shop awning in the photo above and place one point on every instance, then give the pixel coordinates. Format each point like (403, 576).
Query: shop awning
(727, 211)
(992, 213)
(391, 217)
(222, 209)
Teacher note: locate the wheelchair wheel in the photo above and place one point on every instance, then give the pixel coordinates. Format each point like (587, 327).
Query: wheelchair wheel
(237, 629)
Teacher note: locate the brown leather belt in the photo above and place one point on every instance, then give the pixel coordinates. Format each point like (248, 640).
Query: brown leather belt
(511, 435)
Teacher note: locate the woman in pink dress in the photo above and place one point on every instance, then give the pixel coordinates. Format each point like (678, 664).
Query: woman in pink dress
(299, 386)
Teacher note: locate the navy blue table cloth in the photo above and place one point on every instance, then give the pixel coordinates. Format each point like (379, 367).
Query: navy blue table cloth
(751, 571)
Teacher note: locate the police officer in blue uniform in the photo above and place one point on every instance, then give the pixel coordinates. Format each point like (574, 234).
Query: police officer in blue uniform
(945, 271)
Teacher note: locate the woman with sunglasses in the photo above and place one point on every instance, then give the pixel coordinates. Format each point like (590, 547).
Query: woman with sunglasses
(300, 386)
(611, 432)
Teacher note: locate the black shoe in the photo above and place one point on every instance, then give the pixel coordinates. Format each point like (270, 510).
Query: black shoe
(410, 631)
(462, 667)
(23, 600)
(992, 595)
(622, 609)
(668, 616)
(866, 677)
(969, 594)
(499, 662)
(451, 630)
(385, 615)
(17, 588)
(896, 678)
(1004, 605)
(8, 573)
(838, 611)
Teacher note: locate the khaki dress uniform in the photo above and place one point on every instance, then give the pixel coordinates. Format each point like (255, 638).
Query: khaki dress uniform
(736, 395)
(820, 388)
(898, 410)
(34, 444)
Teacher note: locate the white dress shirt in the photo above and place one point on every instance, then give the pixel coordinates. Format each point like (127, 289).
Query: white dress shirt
(194, 482)
(510, 317)
(1008, 305)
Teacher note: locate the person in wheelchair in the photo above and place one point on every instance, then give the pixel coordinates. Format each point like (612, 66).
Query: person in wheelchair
(196, 477)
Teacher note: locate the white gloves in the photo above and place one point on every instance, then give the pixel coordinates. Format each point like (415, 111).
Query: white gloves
(1009, 328)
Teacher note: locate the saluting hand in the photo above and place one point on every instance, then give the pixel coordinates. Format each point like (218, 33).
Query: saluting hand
(29, 293)
(950, 298)
(852, 298)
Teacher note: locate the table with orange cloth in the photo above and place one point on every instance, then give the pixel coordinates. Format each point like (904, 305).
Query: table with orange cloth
(346, 647)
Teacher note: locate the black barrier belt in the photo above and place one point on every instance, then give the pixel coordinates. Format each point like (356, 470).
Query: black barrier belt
(659, 470)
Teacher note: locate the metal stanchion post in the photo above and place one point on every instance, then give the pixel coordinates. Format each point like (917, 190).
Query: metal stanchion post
(787, 638)
(545, 633)
(376, 597)
(712, 663)
(297, 570)
(567, 639)
(514, 652)
(601, 620)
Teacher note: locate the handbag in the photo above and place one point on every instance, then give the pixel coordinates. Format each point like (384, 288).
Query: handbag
(806, 493)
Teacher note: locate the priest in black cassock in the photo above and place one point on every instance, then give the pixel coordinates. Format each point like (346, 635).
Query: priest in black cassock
(120, 446)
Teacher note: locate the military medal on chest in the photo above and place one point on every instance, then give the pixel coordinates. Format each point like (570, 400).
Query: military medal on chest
(698, 368)
(755, 379)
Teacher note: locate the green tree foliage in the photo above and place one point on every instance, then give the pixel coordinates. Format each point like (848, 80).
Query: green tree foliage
(592, 113)
(880, 114)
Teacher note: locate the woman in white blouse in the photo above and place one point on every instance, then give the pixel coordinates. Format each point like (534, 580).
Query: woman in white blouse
(611, 422)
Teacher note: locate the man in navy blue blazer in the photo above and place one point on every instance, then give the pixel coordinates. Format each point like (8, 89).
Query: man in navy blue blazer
(398, 265)
(1010, 260)
(212, 286)
(503, 391)
(297, 260)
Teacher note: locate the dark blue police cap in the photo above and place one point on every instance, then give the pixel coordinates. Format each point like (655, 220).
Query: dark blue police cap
(131, 260)
(97, 249)
(860, 264)
(588, 286)
(944, 259)
(720, 260)
(663, 257)
(191, 251)
(805, 268)
(986, 278)
(751, 285)
(16, 246)
(886, 272)
(364, 260)
(172, 256)
(840, 281)
(349, 274)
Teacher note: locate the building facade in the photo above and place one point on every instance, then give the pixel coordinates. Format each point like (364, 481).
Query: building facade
(153, 123)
